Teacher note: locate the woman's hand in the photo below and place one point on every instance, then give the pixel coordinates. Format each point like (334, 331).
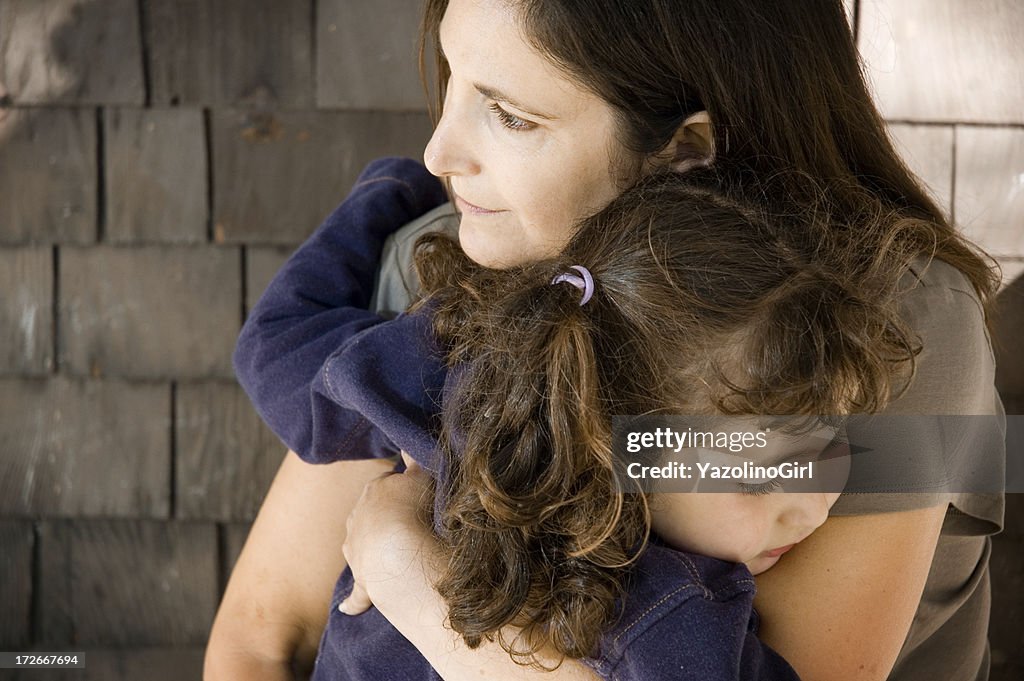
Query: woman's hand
(386, 536)
(394, 559)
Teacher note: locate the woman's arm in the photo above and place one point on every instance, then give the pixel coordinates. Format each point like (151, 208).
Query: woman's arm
(395, 558)
(839, 607)
(275, 606)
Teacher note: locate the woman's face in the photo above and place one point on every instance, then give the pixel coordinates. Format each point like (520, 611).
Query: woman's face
(527, 151)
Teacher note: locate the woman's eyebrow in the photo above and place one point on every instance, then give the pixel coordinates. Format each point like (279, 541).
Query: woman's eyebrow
(498, 95)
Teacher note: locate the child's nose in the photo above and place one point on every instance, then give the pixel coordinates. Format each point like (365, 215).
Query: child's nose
(806, 511)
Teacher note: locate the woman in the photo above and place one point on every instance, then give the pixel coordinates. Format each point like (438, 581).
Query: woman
(551, 109)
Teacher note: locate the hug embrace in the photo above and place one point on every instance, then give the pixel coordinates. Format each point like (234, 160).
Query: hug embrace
(651, 207)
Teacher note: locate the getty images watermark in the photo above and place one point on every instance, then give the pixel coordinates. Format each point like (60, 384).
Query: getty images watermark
(860, 453)
(667, 439)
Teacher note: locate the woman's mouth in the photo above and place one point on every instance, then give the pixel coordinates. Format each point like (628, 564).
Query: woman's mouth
(465, 206)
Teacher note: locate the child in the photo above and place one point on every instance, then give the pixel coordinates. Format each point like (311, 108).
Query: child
(681, 287)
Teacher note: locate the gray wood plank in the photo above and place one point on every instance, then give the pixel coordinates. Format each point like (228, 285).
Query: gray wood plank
(1012, 269)
(226, 456)
(928, 150)
(71, 51)
(366, 55)
(850, 9)
(84, 448)
(277, 176)
(230, 52)
(945, 60)
(131, 582)
(1007, 318)
(261, 264)
(156, 176)
(48, 175)
(16, 542)
(26, 310)
(1006, 626)
(55, 624)
(989, 200)
(149, 312)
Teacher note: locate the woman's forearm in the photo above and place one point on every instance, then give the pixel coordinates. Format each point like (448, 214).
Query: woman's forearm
(839, 607)
(275, 606)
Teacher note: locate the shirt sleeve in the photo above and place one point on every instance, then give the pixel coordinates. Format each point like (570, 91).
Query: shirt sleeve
(317, 302)
(954, 382)
(688, 617)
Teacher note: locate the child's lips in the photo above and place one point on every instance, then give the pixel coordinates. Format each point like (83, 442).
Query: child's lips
(775, 553)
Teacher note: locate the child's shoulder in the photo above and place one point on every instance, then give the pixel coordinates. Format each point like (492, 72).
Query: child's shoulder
(397, 284)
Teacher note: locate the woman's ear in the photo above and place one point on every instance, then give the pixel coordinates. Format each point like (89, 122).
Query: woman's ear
(693, 145)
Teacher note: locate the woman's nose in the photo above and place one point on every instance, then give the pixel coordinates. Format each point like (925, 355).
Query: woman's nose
(449, 152)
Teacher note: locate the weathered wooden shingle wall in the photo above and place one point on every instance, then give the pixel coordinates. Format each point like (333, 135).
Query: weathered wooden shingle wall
(158, 161)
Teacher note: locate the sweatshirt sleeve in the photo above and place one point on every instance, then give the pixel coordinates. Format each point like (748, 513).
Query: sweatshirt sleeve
(317, 302)
(688, 617)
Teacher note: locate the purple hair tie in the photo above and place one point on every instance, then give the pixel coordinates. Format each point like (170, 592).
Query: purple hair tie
(584, 282)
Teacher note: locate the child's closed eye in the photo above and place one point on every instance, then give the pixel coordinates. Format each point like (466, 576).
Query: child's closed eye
(760, 488)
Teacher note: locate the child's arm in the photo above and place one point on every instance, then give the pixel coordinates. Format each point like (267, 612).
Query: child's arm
(317, 302)
(686, 617)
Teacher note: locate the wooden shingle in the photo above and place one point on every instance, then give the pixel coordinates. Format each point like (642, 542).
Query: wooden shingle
(261, 264)
(1006, 628)
(16, 542)
(277, 176)
(944, 60)
(48, 175)
(149, 312)
(156, 175)
(226, 456)
(127, 582)
(230, 52)
(989, 200)
(928, 151)
(235, 535)
(366, 55)
(26, 310)
(71, 52)
(84, 448)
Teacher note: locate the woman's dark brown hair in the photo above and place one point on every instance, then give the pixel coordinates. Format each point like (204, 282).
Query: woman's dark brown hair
(704, 301)
(781, 81)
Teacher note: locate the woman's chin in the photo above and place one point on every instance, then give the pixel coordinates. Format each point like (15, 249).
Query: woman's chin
(486, 247)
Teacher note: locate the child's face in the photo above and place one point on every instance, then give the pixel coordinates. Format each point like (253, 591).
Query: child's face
(755, 528)
(752, 529)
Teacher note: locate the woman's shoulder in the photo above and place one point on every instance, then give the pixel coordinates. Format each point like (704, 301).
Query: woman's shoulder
(930, 278)
(955, 369)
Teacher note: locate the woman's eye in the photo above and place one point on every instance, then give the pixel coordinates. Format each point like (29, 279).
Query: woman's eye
(760, 488)
(510, 121)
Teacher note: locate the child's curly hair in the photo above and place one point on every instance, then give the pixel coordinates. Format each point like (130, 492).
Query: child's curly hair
(704, 300)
